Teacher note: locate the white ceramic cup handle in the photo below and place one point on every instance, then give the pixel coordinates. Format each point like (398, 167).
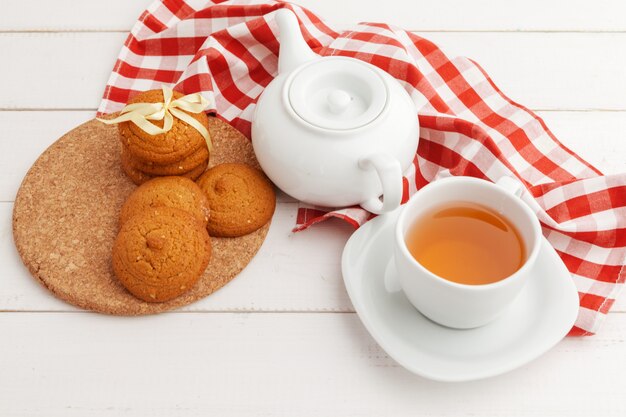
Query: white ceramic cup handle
(511, 185)
(390, 174)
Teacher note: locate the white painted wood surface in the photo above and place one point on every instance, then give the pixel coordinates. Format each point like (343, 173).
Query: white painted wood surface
(289, 364)
(282, 339)
(573, 71)
(442, 15)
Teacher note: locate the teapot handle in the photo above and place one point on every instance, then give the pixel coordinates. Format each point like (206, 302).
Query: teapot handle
(390, 174)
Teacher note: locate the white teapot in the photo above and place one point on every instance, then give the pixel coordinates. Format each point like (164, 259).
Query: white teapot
(333, 131)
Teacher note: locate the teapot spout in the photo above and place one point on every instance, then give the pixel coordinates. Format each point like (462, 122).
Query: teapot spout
(293, 49)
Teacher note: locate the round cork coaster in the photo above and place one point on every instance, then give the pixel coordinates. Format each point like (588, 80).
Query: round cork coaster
(65, 220)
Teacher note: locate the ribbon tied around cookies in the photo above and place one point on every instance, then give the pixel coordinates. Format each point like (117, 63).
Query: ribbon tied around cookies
(141, 114)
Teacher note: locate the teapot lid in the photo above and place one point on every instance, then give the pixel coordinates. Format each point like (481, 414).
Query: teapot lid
(337, 93)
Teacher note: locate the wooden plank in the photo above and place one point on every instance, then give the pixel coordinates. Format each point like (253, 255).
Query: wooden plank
(542, 71)
(291, 272)
(26, 134)
(287, 364)
(442, 15)
(562, 71)
(598, 136)
(60, 70)
(72, 15)
(476, 15)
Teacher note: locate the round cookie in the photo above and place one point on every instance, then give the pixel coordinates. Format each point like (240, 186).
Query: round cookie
(200, 156)
(176, 192)
(166, 148)
(139, 177)
(161, 253)
(241, 199)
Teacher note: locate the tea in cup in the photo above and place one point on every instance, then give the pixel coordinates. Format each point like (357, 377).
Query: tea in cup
(464, 249)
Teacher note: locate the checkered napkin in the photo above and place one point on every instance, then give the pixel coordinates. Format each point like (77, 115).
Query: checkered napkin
(227, 51)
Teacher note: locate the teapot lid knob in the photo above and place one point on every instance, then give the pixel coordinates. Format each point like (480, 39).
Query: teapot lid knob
(338, 101)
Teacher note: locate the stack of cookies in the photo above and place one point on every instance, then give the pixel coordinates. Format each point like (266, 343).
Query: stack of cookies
(180, 151)
(163, 247)
(164, 243)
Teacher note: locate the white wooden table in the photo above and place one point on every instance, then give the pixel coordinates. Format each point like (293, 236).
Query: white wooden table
(282, 339)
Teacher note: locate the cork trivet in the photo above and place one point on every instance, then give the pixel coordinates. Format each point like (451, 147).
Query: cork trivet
(65, 220)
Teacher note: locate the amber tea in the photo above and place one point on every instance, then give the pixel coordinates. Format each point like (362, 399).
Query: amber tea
(466, 243)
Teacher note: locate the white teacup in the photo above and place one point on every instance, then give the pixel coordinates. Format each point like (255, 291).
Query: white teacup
(449, 303)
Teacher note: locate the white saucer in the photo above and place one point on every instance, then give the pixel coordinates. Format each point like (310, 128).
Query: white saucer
(537, 320)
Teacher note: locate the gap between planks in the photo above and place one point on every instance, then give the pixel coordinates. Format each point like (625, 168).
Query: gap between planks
(547, 31)
(205, 312)
(91, 109)
(217, 311)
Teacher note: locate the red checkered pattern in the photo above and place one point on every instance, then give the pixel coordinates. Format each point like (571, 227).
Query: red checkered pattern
(227, 50)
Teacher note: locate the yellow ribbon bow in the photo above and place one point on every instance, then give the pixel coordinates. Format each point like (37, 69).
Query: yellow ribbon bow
(141, 114)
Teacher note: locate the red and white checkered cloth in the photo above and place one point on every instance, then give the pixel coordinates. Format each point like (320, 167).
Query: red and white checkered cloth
(227, 50)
